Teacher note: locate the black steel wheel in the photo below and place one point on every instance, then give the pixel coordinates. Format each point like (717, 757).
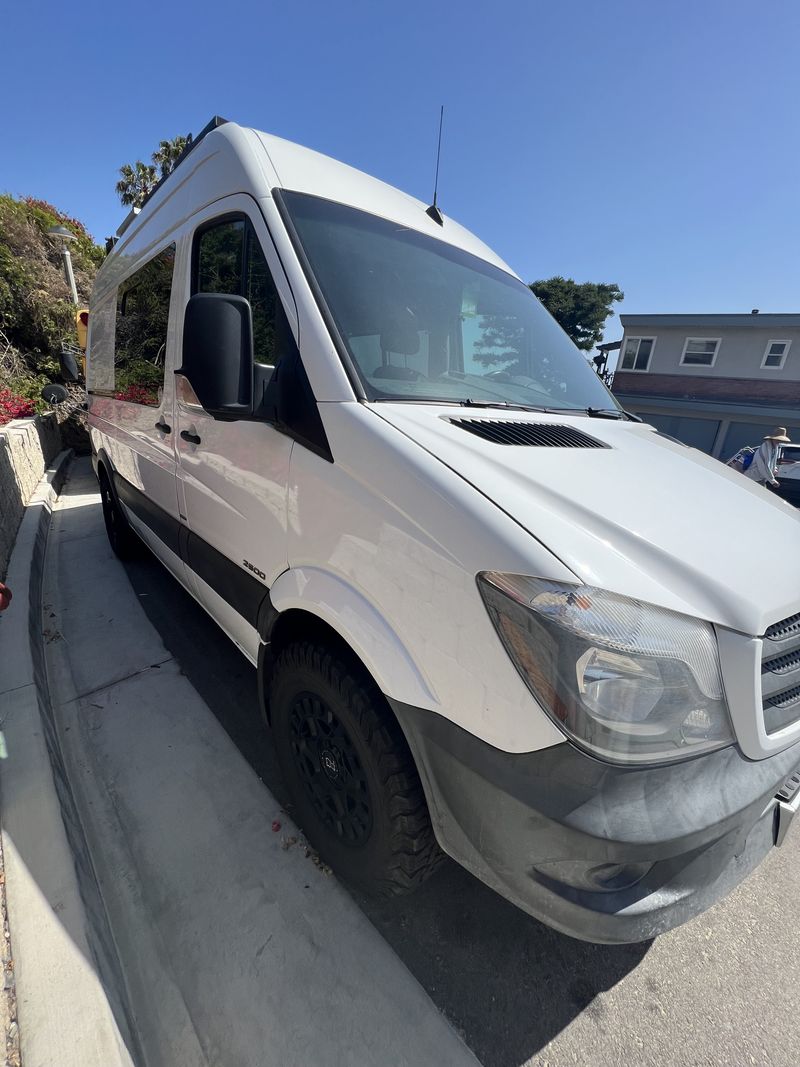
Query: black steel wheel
(122, 538)
(353, 785)
(328, 765)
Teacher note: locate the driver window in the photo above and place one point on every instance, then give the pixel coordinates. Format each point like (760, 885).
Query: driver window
(229, 259)
(219, 258)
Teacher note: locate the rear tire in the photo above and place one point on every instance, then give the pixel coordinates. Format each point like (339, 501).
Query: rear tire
(354, 788)
(121, 536)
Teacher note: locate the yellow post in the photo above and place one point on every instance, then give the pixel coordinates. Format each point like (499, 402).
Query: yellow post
(82, 324)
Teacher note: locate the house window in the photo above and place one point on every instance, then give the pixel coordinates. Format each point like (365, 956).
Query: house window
(637, 353)
(775, 355)
(700, 351)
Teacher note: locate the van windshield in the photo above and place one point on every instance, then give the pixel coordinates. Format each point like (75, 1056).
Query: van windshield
(423, 320)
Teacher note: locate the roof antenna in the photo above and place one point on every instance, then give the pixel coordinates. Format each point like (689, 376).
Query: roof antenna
(433, 211)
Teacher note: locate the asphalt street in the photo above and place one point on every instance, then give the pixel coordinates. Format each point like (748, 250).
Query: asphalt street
(721, 990)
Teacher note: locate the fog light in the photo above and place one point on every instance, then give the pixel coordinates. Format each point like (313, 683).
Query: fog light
(602, 877)
(612, 877)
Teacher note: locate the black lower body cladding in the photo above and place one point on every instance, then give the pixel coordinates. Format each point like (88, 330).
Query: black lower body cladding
(600, 852)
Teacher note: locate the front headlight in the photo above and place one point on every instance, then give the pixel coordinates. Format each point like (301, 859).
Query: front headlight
(630, 682)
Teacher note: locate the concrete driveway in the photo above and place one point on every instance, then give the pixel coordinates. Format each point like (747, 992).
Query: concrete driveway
(722, 990)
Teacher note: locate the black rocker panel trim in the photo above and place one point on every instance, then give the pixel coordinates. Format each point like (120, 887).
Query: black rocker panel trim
(241, 590)
(164, 526)
(245, 594)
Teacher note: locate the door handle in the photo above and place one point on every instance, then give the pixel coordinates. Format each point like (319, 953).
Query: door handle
(193, 437)
(163, 426)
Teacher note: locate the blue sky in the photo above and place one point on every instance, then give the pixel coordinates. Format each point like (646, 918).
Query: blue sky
(655, 146)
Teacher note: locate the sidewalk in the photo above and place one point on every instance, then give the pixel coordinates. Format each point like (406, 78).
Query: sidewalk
(215, 939)
(63, 1011)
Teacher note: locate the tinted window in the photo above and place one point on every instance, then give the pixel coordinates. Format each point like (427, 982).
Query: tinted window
(263, 296)
(230, 260)
(140, 337)
(220, 253)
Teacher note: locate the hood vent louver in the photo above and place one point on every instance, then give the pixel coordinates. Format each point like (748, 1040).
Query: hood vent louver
(531, 434)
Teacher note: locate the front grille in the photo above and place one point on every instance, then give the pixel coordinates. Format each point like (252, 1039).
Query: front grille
(780, 674)
(787, 699)
(782, 664)
(789, 787)
(779, 630)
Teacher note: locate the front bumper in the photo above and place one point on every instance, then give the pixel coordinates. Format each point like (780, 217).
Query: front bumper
(539, 827)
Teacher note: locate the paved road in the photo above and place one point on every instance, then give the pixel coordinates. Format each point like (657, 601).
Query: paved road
(722, 990)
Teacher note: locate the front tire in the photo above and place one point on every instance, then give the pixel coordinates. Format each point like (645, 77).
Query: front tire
(354, 788)
(123, 540)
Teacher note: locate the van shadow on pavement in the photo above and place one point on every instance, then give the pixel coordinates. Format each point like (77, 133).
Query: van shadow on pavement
(506, 982)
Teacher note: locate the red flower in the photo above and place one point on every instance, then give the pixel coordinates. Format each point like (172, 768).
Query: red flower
(138, 394)
(14, 407)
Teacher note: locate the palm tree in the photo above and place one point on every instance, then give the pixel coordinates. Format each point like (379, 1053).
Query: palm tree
(139, 179)
(136, 183)
(166, 155)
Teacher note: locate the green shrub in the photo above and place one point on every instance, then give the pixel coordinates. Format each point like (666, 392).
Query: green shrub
(36, 311)
(139, 372)
(30, 388)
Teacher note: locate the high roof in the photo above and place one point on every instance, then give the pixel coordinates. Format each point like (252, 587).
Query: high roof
(233, 159)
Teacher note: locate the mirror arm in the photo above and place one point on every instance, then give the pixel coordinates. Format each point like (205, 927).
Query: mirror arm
(262, 376)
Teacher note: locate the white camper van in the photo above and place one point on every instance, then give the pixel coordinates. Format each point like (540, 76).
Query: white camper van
(493, 615)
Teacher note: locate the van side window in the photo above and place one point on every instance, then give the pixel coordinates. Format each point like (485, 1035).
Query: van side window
(140, 337)
(229, 259)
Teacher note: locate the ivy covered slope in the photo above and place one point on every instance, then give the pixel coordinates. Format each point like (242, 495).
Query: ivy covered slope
(37, 316)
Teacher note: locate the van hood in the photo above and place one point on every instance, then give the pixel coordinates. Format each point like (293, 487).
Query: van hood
(646, 516)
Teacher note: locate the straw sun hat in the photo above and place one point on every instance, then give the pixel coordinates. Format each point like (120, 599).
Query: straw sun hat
(778, 434)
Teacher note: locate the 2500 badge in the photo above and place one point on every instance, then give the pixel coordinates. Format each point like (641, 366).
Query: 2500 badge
(255, 570)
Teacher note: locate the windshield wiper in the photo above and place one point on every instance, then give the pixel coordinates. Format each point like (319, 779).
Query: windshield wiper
(505, 404)
(600, 413)
(508, 405)
(604, 413)
(612, 413)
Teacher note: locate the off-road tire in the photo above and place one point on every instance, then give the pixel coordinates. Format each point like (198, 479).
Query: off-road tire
(124, 541)
(315, 688)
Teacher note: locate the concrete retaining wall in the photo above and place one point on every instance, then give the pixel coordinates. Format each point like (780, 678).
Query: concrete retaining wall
(26, 448)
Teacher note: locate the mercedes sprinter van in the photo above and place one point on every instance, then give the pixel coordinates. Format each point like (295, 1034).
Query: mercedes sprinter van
(493, 615)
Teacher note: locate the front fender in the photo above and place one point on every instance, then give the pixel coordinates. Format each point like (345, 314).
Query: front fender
(357, 622)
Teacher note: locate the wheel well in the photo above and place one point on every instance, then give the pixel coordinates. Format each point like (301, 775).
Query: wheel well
(103, 470)
(298, 625)
(406, 851)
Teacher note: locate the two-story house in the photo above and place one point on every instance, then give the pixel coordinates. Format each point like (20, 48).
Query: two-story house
(716, 382)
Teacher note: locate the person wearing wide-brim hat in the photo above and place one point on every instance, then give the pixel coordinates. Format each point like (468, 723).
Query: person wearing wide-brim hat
(765, 462)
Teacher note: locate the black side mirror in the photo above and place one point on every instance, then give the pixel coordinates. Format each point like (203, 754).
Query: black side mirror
(69, 366)
(218, 353)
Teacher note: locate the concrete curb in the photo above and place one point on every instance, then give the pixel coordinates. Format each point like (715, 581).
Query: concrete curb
(70, 996)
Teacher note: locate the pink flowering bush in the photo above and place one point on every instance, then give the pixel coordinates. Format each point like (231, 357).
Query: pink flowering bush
(14, 407)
